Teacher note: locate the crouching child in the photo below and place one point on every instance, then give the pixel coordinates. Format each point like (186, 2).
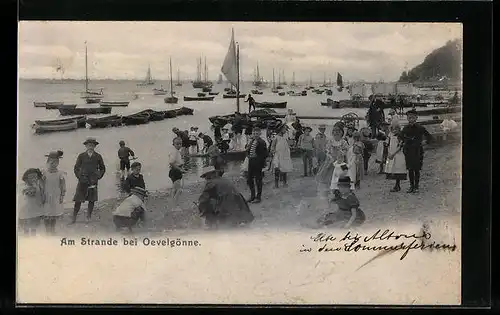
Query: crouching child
(131, 210)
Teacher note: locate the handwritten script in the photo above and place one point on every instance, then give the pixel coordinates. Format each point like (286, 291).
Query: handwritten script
(386, 240)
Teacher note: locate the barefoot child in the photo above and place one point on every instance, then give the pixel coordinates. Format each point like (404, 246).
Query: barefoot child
(31, 209)
(306, 144)
(55, 189)
(135, 179)
(124, 154)
(193, 140)
(396, 165)
(348, 213)
(175, 173)
(131, 210)
(381, 153)
(282, 162)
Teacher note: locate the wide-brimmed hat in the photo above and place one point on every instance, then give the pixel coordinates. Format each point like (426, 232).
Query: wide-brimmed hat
(55, 154)
(412, 112)
(91, 140)
(139, 191)
(208, 170)
(308, 128)
(32, 171)
(344, 181)
(322, 126)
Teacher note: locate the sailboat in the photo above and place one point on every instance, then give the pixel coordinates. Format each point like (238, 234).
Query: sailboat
(207, 84)
(148, 80)
(274, 89)
(340, 84)
(257, 82)
(284, 80)
(171, 99)
(178, 79)
(279, 87)
(90, 96)
(199, 83)
(293, 80)
(219, 81)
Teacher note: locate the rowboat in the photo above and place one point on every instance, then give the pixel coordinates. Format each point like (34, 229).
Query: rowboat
(114, 103)
(193, 98)
(281, 93)
(159, 92)
(103, 122)
(172, 113)
(84, 110)
(233, 95)
(44, 104)
(184, 111)
(39, 129)
(136, 119)
(257, 92)
(440, 111)
(58, 105)
(206, 89)
(80, 120)
(271, 104)
(200, 94)
(171, 100)
(213, 93)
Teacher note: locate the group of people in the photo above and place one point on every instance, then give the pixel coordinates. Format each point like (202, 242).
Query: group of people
(338, 163)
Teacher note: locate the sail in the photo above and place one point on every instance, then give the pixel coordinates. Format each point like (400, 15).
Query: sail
(339, 80)
(230, 65)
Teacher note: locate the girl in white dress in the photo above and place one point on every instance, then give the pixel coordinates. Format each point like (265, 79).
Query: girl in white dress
(282, 161)
(31, 203)
(55, 189)
(396, 165)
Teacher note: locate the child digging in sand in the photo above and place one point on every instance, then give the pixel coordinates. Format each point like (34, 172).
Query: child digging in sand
(31, 209)
(131, 210)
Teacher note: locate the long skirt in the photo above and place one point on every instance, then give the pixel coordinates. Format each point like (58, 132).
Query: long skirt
(396, 168)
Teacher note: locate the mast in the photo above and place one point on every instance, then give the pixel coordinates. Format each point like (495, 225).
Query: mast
(86, 70)
(238, 82)
(206, 74)
(171, 84)
(293, 78)
(279, 77)
(178, 76)
(273, 80)
(310, 80)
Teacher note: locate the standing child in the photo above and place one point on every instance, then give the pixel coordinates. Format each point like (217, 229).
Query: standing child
(207, 142)
(348, 213)
(175, 173)
(355, 163)
(340, 170)
(193, 140)
(320, 146)
(306, 144)
(55, 189)
(381, 151)
(31, 209)
(131, 210)
(124, 154)
(396, 165)
(366, 135)
(226, 139)
(282, 162)
(413, 135)
(135, 179)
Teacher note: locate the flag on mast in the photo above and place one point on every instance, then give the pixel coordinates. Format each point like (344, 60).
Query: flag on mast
(230, 65)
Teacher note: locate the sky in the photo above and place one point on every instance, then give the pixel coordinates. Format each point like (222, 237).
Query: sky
(123, 50)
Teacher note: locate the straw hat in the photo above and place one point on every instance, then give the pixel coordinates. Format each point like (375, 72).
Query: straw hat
(55, 154)
(91, 140)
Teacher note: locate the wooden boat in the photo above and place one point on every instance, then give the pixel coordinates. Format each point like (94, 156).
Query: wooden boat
(92, 99)
(158, 92)
(171, 99)
(172, 113)
(44, 104)
(227, 89)
(206, 89)
(200, 94)
(281, 93)
(153, 115)
(39, 129)
(103, 122)
(114, 103)
(213, 93)
(257, 92)
(193, 98)
(136, 119)
(57, 106)
(80, 121)
(84, 110)
(184, 111)
(440, 111)
(271, 104)
(148, 80)
(233, 96)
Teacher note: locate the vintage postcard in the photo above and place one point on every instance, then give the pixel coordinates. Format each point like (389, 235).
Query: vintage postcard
(239, 163)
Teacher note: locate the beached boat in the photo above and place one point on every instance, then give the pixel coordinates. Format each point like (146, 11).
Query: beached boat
(136, 119)
(257, 92)
(172, 113)
(44, 104)
(184, 111)
(114, 103)
(153, 115)
(80, 120)
(200, 94)
(271, 104)
(281, 93)
(193, 98)
(103, 122)
(440, 111)
(233, 96)
(39, 129)
(59, 105)
(213, 93)
(39, 104)
(84, 110)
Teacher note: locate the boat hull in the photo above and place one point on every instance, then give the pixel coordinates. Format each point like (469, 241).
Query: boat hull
(233, 96)
(194, 99)
(135, 119)
(270, 104)
(114, 104)
(84, 111)
(171, 100)
(213, 93)
(111, 121)
(57, 106)
(40, 129)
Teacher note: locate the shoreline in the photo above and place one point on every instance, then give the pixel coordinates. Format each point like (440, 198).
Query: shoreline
(297, 205)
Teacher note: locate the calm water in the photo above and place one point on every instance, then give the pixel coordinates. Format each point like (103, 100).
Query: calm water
(151, 142)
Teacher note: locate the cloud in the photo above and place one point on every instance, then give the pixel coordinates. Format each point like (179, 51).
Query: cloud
(123, 50)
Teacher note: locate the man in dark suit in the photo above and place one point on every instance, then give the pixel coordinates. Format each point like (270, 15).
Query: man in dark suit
(89, 169)
(257, 154)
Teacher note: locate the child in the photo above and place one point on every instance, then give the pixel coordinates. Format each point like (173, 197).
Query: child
(224, 145)
(413, 135)
(306, 144)
(320, 141)
(31, 209)
(355, 163)
(216, 159)
(207, 142)
(175, 173)
(124, 154)
(340, 170)
(366, 135)
(135, 179)
(281, 160)
(396, 165)
(55, 189)
(131, 210)
(193, 140)
(348, 214)
(381, 151)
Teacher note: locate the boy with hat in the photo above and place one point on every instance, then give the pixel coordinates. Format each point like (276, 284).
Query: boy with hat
(193, 140)
(221, 204)
(412, 135)
(124, 154)
(257, 154)
(131, 210)
(320, 144)
(306, 144)
(207, 142)
(54, 190)
(135, 179)
(89, 169)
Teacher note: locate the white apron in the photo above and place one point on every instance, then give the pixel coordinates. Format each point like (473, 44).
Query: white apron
(281, 158)
(397, 165)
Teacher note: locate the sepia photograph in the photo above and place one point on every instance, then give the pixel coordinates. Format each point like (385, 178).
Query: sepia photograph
(239, 163)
